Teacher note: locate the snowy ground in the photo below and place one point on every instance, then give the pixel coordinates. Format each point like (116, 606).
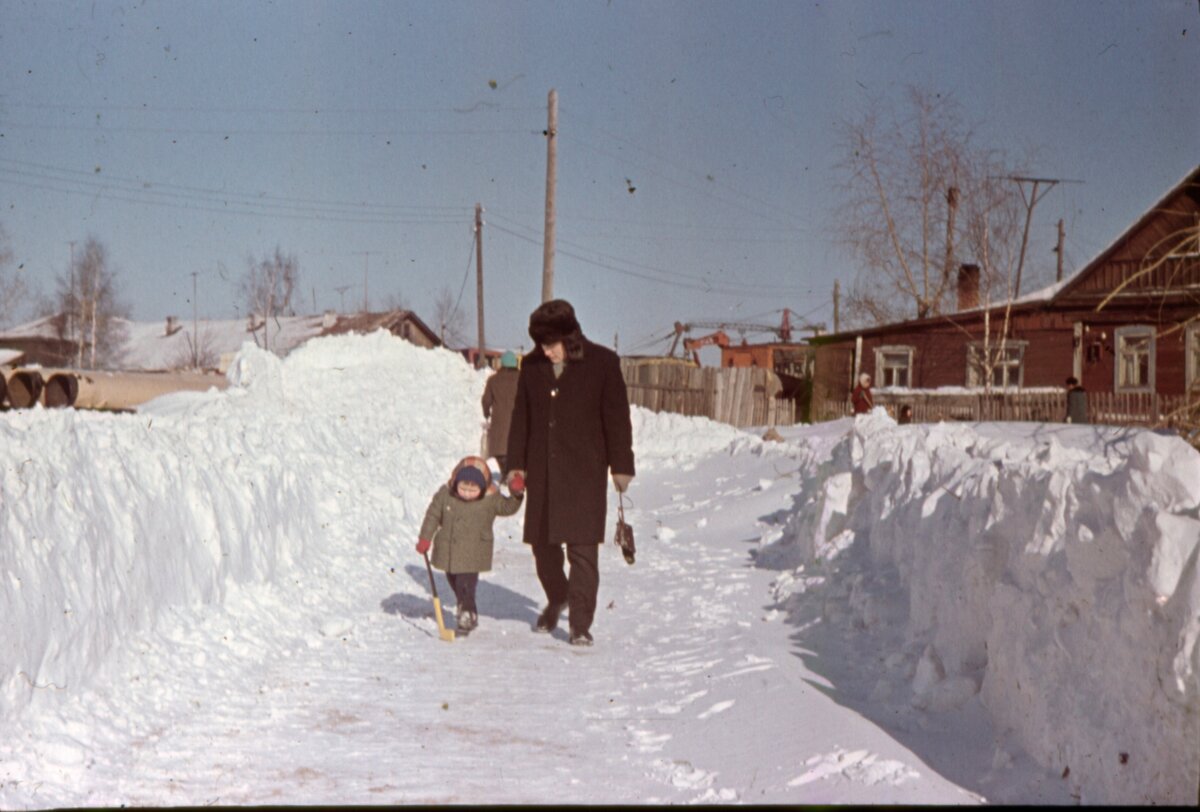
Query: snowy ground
(216, 601)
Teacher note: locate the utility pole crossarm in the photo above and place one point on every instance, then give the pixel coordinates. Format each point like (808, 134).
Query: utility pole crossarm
(1030, 201)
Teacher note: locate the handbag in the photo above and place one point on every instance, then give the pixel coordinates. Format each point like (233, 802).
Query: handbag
(624, 535)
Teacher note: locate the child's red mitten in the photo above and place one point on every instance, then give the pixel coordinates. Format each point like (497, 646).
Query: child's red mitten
(516, 483)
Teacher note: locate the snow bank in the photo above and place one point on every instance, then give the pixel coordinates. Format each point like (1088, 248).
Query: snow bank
(1055, 572)
(110, 520)
(665, 440)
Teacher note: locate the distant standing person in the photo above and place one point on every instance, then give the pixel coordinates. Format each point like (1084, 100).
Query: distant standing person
(498, 397)
(570, 427)
(1077, 411)
(861, 397)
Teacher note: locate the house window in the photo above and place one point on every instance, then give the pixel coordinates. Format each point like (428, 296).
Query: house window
(1192, 355)
(893, 366)
(1000, 365)
(1135, 359)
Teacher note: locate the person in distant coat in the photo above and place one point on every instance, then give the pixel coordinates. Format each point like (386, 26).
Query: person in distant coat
(1077, 411)
(861, 398)
(570, 428)
(499, 395)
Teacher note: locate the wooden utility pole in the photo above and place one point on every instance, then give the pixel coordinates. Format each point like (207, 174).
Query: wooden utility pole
(479, 280)
(78, 322)
(366, 299)
(837, 295)
(1058, 249)
(551, 182)
(1030, 202)
(195, 323)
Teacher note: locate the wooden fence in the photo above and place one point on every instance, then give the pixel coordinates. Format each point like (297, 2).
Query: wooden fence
(740, 396)
(1107, 408)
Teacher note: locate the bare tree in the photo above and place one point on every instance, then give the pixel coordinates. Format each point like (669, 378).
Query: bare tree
(1174, 255)
(268, 286)
(14, 291)
(992, 236)
(917, 189)
(88, 298)
(200, 352)
(396, 301)
(451, 319)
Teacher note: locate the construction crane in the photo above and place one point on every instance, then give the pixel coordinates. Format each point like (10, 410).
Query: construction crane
(693, 345)
(783, 330)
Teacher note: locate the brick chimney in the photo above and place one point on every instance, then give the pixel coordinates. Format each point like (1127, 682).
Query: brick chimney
(968, 287)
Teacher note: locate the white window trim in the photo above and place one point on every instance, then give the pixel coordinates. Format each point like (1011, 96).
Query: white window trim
(1010, 344)
(1119, 335)
(1192, 357)
(889, 349)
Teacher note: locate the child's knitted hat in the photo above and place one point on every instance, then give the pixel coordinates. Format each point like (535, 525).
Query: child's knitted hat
(469, 473)
(472, 469)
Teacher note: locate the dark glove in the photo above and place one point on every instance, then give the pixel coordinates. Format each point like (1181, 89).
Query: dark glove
(516, 483)
(621, 482)
(423, 546)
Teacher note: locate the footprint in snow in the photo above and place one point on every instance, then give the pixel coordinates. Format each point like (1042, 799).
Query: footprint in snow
(858, 766)
(682, 775)
(720, 707)
(647, 741)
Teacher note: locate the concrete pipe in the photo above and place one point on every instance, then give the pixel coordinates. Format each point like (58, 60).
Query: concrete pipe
(124, 391)
(24, 388)
(61, 390)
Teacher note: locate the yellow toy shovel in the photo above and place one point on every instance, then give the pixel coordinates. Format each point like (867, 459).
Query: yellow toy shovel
(443, 632)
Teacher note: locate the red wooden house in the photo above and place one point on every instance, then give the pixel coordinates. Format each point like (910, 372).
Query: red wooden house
(1127, 325)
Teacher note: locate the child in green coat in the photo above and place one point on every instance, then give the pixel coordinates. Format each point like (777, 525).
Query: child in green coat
(458, 526)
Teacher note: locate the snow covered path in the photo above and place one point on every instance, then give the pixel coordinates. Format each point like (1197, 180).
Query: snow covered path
(694, 691)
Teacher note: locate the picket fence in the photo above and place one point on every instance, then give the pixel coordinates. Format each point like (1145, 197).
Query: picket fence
(1106, 408)
(740, 396)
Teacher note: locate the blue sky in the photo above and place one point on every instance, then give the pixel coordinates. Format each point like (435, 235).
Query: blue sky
(696, 152)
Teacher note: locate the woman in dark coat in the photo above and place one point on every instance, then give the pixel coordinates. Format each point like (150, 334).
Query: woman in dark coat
(498, 396)
(570, 426)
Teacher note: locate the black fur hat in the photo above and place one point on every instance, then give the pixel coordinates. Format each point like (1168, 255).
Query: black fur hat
(554, 321)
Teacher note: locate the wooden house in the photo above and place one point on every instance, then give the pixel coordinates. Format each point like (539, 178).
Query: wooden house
(402, 323)
(1127, 326)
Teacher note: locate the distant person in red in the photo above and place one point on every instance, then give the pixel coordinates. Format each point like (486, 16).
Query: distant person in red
(861, 398)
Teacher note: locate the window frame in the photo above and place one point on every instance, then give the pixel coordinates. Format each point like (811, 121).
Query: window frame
(881, 370)
(975, 350)
(1120, 335)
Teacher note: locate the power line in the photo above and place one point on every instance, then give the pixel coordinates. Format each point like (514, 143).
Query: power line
(89, 177)
(382, 133)
(89, 108)
(682, 280)
(212, 201)
(661, 160)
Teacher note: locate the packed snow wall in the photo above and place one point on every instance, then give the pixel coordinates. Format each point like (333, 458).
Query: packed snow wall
(110, 520)
(1056, 573)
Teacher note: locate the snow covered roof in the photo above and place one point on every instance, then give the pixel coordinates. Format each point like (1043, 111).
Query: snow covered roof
(167, 344)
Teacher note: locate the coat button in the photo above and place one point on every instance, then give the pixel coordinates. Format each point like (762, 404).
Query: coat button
(553, 393)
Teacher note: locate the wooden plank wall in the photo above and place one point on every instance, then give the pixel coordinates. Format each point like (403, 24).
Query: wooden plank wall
(740, 396)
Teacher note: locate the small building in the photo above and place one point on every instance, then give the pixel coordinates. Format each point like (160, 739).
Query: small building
(41, 343)
(1127, 325)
